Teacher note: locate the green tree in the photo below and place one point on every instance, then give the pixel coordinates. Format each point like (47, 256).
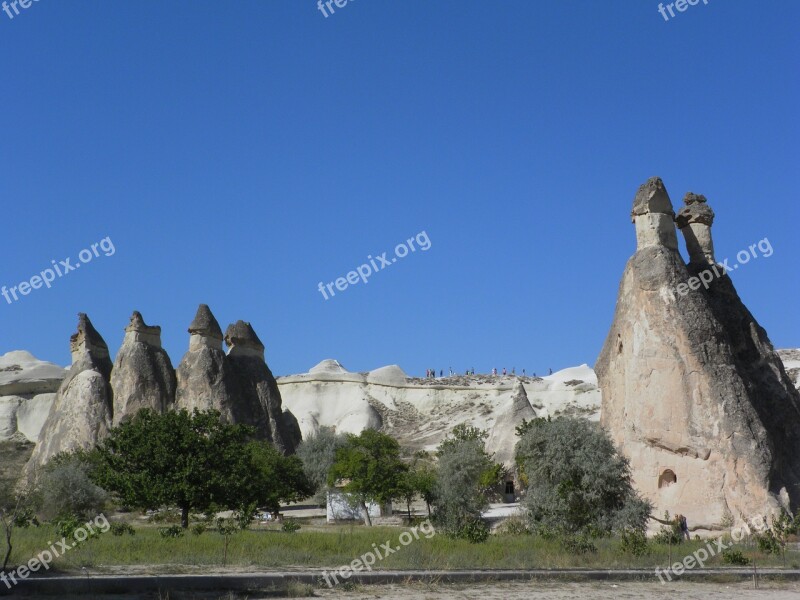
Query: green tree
(318, 453)
(275, 478)
(370, 467)
(192, 461)
(465, 480)
(579, 484)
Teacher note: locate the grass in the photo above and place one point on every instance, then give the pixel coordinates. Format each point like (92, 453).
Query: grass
(334, 546)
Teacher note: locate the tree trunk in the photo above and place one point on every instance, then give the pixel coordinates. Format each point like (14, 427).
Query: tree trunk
(367, 519)
(185, 517)
(8, 546)
(428, 504)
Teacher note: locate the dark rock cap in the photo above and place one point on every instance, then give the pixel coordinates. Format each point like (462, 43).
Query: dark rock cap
(87, 334)
(652, 197)
(137, 324)
(205, 324)
(241, 333)
(696, 210)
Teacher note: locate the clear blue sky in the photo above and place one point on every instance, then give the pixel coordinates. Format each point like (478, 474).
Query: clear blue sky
(238, 153)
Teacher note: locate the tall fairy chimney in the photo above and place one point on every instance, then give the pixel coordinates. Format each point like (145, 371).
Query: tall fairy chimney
(653, 216)
(695, 220)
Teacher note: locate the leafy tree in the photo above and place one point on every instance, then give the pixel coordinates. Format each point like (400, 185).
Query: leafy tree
(579, 484)
(192, 461)
(371, 468)
(318, 453)
(465, 479)
(276, 478)
(419, 480)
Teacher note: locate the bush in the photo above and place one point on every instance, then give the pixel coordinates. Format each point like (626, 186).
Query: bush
(122, 529)
(175, 531)
(669, 534)
(768, 544)
(578, 544)
(465, 478)
(634, 542)
(66, 488)
(66, 526)
(734, 557)
(579, 485)
(199, 528)
(474, 531)
(514, 526)
(290, 525)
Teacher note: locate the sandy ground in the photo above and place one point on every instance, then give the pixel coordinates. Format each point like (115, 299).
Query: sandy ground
(513, 591)
(569, 591)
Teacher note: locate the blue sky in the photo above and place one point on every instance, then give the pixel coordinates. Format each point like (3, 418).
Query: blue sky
(239, 153)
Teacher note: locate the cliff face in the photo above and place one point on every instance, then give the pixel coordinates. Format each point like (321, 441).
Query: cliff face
(692, 391)
(260, 404)
(143, 376)
(81, 412)
(206, 378)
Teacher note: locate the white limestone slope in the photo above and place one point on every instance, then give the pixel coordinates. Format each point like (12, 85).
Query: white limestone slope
(420, 413)
(27, 390)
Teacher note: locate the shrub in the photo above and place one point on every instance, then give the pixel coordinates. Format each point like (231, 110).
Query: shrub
(465, 478)
(120, 528)
(66, 488)
(734, 557)
(174, 531)
(579, 484)
(66, 526)
(634, 542)
(199, 528)
(290, 525)
(514, 526)
(768, 543)
(475, 531)
(669, 534)
(578, 544)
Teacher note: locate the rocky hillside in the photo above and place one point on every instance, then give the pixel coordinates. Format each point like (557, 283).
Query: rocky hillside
(419, 412)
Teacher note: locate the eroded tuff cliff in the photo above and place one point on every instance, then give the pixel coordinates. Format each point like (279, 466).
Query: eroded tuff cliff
(260, 403)
(82, 410)
(206, 378)
(143, 376)
(692, 390)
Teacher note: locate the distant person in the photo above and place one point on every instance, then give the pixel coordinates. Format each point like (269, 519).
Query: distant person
(504, 372)
(684, 527)
(441, 372)
(523, 372)
(551, 371)
(473, 371)
(494, 371)
(513, 370)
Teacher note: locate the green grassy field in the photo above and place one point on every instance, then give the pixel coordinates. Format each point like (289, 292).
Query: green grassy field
(334, 546)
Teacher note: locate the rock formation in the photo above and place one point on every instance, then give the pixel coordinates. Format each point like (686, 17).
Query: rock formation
(206, 379)
(81, 413)
(143, 376)
(692, 390)
(27, 389)
(260, 403)
(503, 434)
